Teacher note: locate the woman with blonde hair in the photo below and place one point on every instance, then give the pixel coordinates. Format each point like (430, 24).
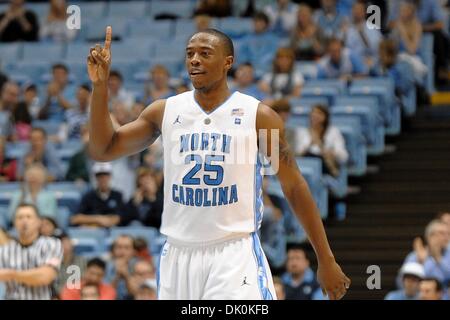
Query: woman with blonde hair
(283, 81)
(54, 28)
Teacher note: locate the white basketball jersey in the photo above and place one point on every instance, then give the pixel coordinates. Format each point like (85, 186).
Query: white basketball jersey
(212, 172)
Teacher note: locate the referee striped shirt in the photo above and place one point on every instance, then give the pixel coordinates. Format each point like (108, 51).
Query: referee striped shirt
(43, 251)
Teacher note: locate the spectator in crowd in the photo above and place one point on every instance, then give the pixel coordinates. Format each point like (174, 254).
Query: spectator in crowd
(260, 46)
(340, 63)
(54, 27)
(93, 276)
(142, 272)
(18, 23)
(31, 99)
(30, 278)
(273, 237)
(411, 274)
(299, 280)
(102, 206)
(117, 93)
(147, 291)
(407, 29)
(444, 217)
(322, 140)
(41, 151)
(282, 16)
(215, 8)
(435, 256)
(49, 227)
(9, 97)
(159, 87)
(120, 267)
(142, 251)
(80, 162)
(90, 292)
(307, 38)
(279, 288)
(32, 191)
(147, 203)
(120, 114)
(8, 100)
(431, 289)
(60, 95)
(432, 18)
(8, 166)
(363, 38)
(21, 121)
(332, 23)
(390, 65)
(244, 81)
(283, 81)
(202, 21)
(70, 260)
(77, 116)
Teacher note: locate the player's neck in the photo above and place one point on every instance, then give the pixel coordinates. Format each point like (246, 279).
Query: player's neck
(211, 99)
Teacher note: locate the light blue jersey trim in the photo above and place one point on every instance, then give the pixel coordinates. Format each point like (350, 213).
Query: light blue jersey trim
(259, 205)
(216, 108)
(159, 268)
(263, 281)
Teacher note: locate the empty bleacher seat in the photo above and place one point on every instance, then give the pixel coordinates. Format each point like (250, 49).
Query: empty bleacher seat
(426, 53)
(138, 50)
(317, 89)
(43, 52)
(150, 29)
(86, 246)
(99, 234)
(307, 68)
(236, 27)
(9, 53)
(32, 69)
(92, 9)
(96, 29)
(128, 9)
(68, 198)
(174, 8)
(63, 217)
(308, 102)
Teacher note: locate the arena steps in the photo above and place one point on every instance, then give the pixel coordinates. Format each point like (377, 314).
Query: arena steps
(395, 204)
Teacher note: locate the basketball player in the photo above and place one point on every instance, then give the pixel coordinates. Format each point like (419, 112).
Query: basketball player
(212, 207)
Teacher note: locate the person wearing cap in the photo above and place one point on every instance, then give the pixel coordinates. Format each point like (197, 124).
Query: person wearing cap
(411, 273)
(102, 206)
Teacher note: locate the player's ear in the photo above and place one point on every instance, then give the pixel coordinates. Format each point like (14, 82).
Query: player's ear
(229, 62)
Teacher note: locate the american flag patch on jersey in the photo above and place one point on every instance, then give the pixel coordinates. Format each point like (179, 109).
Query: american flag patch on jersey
(239, 112)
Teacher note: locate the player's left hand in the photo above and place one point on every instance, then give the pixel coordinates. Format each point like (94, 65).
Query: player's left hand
(333, 281)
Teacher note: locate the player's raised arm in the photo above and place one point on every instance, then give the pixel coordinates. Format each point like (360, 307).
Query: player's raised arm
(296, 190)
(105, 142)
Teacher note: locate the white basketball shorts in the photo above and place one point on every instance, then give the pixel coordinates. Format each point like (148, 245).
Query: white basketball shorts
(233, 269)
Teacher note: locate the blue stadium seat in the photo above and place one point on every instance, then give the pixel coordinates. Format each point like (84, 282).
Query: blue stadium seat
(179, 8)
(98, 234)
(390, 109)
(32, 69)
(95, 31)
(150, 29)
(91, 9)
(86, 246)
(316, 89)
(5, 197)
(236, 27)
(426, 53)
(309, 101)
(69, 199)
(372, 125)
(43, 52)
(77, 53)
(128, 9)
(170, 49)
(3, 219)
(9, 186)
(340, 85)
(10, 53)
(51, 127)
(354, 101)
(16, 150)
(62, 186)
(307, 68)
(63, 217)
(20, 78)
(136, 51)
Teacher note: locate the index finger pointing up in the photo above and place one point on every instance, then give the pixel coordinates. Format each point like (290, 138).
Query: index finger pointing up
(108, 37)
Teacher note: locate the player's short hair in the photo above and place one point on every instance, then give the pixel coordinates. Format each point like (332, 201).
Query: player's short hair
(226, 40)
(96, 262)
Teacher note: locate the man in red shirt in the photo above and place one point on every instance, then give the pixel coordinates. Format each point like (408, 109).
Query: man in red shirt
(94, 275)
